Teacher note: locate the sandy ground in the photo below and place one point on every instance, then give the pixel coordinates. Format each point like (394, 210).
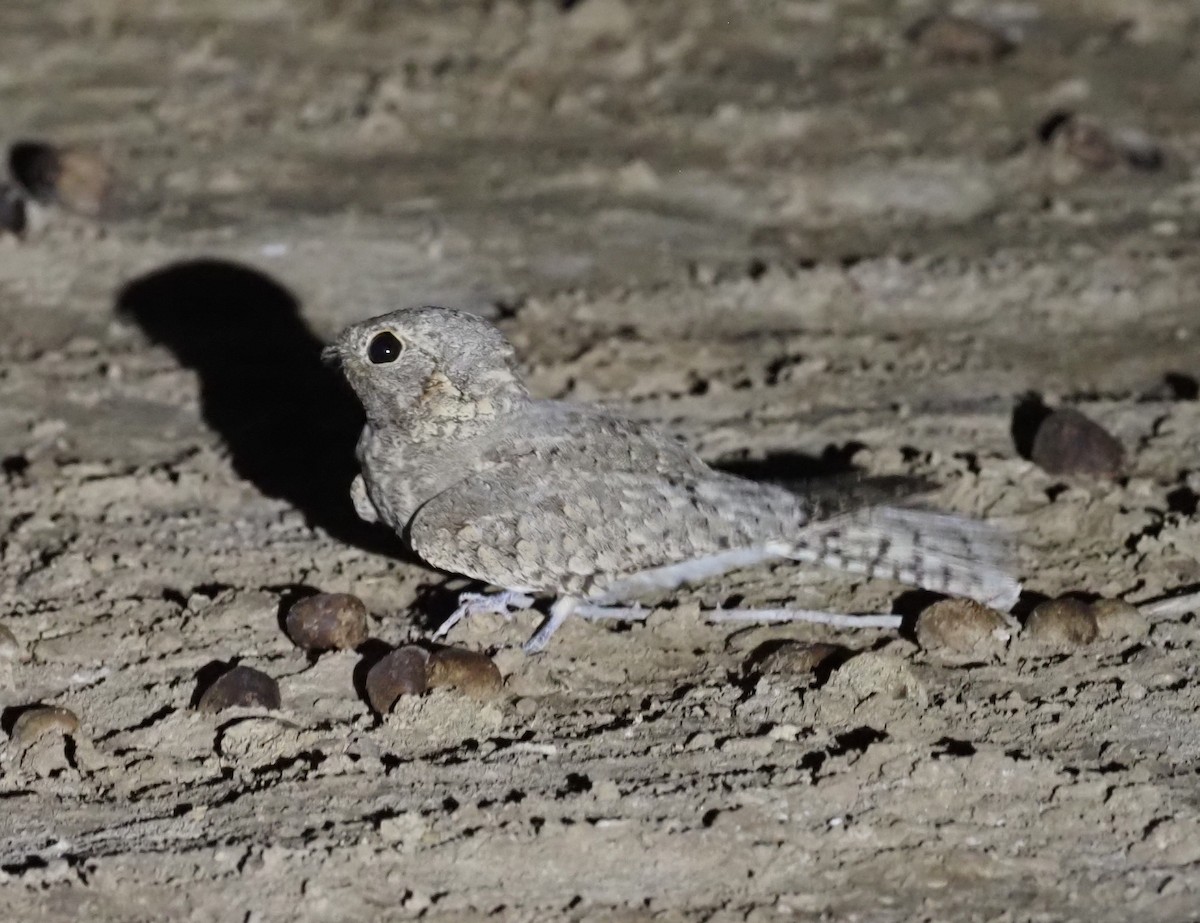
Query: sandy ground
(780, 228)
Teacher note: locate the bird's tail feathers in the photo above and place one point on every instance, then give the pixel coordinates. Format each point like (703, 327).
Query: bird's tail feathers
(939, 552)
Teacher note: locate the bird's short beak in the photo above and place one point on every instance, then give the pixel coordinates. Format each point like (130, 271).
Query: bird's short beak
(332, 355)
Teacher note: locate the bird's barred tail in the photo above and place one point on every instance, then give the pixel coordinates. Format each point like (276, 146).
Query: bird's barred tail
(934, 551)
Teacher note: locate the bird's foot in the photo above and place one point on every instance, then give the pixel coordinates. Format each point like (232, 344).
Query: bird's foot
(503, 603)
(562, 608)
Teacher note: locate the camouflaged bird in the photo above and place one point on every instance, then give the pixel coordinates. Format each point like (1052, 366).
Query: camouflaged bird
(548, 498)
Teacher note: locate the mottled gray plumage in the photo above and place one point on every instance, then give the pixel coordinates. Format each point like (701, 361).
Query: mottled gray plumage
(552, 498)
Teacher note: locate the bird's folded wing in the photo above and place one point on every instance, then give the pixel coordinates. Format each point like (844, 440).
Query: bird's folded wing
(532, 526)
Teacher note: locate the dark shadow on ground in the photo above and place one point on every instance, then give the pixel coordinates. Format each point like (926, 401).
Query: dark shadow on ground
(290, 422)
(793, 468)
(829, 479)
(1028, 416)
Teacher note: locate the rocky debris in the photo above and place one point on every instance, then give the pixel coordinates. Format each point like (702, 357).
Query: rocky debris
(963, 626)
(241, 687)
(799, 659)
(402, 672)
(1063, 623)
(952, 39)
(1095, 147)
(327, 621)
(1067, 442)
(76, 179)
(36, 722)
(470, 672)
(1118, 620)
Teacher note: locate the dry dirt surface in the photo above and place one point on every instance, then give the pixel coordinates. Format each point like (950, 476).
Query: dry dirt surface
(808, 236)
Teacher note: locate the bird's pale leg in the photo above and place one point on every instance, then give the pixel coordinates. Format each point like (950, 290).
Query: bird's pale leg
(1172, 605)
(558, 614)
(813, 616)
(502, 603)
(596, 613)
(675, 575)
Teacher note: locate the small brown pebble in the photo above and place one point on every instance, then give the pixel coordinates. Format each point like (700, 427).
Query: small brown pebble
(956, 39)
(1116, 619)
(327, 621)
(1063, 622)
(470, 672)
(1096, 147)
(402, 672)
(41, 720)
(243, 687)
(12, 210)
(877, 673)
(962, 626)
(1067, 442)
(74, 178)
(1089, 143)
(795, 658)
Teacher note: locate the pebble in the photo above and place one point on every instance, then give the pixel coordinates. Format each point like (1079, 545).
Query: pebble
(1083, 139)
(243, 687)
(877, 674)
(1067, 442)
(795, 658)
(1117, 619)
(327, 621)
(962, 626)
(470, 672)
(1063, 622)
(1098, 148)
(402, 672)
(41, 720)
(12, 210)
(959, 40)
(74, 178)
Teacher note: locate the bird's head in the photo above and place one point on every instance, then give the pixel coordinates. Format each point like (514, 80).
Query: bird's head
(428, 362)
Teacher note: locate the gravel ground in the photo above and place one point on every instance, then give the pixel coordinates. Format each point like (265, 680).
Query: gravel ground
(807, 236)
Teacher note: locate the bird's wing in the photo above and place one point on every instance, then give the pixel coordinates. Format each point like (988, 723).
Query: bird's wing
(528, 524)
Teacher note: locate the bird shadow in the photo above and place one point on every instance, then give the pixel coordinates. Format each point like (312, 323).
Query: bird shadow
(830, 477)
(289, 421)
(792, 468)
(1028, 416)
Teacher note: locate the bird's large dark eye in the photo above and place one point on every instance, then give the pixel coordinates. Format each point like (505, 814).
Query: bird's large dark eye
(384, 348)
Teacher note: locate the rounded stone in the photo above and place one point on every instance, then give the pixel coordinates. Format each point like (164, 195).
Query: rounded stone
(76, 179)
(327, 621)
(1064, 622)
(41, 720)
(957, 39)
(402, 672)
(962, 626)
(1089, 143)
(1117, 619)
(469, 672)
(241, 687)
(795, 658)
(1067, 442)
